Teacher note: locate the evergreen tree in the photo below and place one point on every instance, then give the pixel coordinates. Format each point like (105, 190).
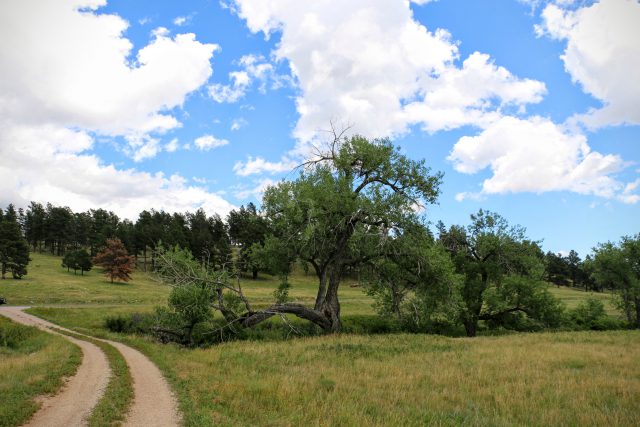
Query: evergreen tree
(14, 249)
(247, 228)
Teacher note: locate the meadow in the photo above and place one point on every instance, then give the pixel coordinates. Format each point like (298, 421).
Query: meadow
(562, 378)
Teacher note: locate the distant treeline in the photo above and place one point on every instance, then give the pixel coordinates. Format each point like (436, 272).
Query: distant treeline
(56, 229)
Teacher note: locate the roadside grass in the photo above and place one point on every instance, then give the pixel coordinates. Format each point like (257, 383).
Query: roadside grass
(114, 405)
(32, 363)
(568, 378)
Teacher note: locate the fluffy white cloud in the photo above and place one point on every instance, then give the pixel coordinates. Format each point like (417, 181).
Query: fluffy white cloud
(75, 68)
(536, 155)
(254, 68)
(371, 64)
(259, 165)
(209, 142)
(47, 164)
(471, 95)
(68, 73)
(602, 55)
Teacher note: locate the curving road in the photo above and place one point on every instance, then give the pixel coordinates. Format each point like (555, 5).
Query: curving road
(153, 404)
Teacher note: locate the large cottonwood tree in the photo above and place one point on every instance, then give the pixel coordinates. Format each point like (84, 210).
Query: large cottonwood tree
(346, 204)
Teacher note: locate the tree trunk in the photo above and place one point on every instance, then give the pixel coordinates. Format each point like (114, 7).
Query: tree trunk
(322, 288)
(254, 273)
(331, 305)
(251, 319)
(471, 327)
(637, 303)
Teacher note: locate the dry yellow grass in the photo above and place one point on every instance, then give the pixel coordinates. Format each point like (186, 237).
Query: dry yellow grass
(537, 379)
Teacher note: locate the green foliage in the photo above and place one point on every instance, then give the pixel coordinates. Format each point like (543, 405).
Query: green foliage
(274, 256)
(588, 313)
(281, 295)
(502, 272)
(617, 265)
(246, 229)
(339, 213)
(416, 281)
(522, 303)
(77, 260)
(14, 249)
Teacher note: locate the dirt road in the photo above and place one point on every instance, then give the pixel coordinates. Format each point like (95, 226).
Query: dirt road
(153, 405)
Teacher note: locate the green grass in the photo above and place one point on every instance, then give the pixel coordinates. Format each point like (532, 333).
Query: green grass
(48, 283)
(574, 296)
(32, 363)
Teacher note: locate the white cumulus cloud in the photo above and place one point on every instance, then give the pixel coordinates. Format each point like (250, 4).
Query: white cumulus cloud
(67, 74)
(370, 63)
(536, 155)
(602, 54)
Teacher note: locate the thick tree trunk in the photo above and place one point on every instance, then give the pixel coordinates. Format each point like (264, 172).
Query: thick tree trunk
(471, 327)
(331, 304)
(322, 289)
(254, 273)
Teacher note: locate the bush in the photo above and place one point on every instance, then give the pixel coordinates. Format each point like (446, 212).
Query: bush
(591, 314)
(135, 323)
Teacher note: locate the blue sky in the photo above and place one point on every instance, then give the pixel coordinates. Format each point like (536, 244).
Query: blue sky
(530, 108)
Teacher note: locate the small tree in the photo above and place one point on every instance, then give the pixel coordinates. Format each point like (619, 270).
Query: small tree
(115, 260)
(77, 260)
(83, 260)
(617, 265)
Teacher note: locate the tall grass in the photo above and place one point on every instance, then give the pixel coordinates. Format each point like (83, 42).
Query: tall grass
(569, 378)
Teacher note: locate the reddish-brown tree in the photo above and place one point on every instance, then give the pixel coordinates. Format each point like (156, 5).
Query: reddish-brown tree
(115, 260)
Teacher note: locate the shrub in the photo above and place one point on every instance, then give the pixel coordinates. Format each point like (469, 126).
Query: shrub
(591, 314)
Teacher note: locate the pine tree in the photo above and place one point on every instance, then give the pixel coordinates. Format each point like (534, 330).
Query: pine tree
(14, 249)
(115, 260)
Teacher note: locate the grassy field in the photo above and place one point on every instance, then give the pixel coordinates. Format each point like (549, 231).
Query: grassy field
(49, 284)
(569, 378)
(32, 363)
